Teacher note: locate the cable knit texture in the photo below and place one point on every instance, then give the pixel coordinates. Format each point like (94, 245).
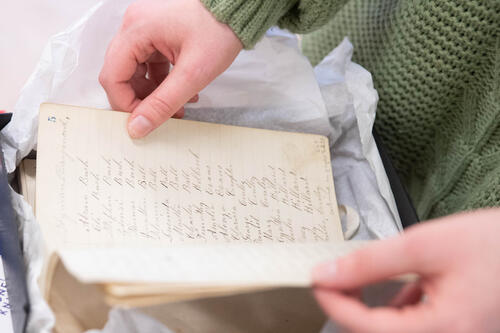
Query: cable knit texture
(436, 66)
(250, 19)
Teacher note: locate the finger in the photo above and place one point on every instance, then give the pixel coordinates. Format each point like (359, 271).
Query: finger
(194, 99)
(357, 317)
(158, 67)
(184, 82)
(120, 64)
(410, 294)
(179, 114)
(356, 293)
(140, 70)
(378, 261)
(141, 85)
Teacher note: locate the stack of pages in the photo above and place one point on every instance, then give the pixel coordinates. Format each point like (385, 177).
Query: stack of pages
(194, 210)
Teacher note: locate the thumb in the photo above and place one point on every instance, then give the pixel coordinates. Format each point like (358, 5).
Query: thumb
(184, 82)
(378, 261)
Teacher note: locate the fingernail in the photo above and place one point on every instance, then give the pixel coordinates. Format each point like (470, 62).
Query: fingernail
(324, 273)
(139, 126)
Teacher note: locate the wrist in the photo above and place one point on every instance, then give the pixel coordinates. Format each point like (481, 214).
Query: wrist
(249, 19)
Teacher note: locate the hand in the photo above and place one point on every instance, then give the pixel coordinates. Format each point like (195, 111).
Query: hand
(458, 259)
(153, 35)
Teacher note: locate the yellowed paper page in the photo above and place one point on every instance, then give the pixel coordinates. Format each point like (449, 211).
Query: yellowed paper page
(283, 310)
(188, 182)
(181, 295)
(201, 266)
(27, 172)
(131, 290)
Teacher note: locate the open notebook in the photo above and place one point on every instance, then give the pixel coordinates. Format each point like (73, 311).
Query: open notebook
(193, 210)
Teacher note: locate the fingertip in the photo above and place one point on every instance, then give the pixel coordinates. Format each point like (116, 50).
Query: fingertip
(351, 313)
(321, 294)
(324, 273)
(122, 97)
(330, 301)
(139, 126)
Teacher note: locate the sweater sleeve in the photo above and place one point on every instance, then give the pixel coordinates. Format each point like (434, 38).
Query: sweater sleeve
(308, 15)
(249, 19)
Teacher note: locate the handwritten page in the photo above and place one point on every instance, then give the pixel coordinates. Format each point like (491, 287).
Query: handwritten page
(5, 315)
(186, 183)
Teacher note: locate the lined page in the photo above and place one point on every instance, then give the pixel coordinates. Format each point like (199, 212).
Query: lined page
(199, 266)
(187, 182)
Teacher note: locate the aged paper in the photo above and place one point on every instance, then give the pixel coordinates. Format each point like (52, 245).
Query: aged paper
(27, 180)
(206, 267)
(187, 183)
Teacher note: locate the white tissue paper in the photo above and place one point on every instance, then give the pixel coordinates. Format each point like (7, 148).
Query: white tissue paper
(272, 86)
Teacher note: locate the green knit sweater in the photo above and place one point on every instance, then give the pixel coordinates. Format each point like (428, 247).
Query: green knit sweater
(436, 66)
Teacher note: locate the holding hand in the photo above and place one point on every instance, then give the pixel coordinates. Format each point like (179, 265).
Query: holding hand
(153, 35)
(458, 259)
